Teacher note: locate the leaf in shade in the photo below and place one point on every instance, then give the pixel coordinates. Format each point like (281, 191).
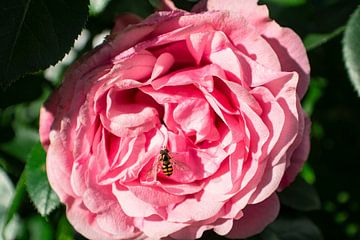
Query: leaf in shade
(37, 34)
(142, 8)
(64, 230)
(21, 145)
(40, 192)
(315, 40)
(286, 3)
(300, 196)
(316, 90)
(295, 228)
(351, 49)
(290, 228)
(39, 228)
(26, 89)
(157, 4)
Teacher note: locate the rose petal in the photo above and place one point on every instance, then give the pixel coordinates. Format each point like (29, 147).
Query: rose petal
(132, 205)
(287, 44)
(194, 116)
(162, 65)
(200, 210)
(299, 156)
(117, 223)
(83, 221)
(127, 119)
(157, 228)
(251, 224)
(59, 165)
(47, 115)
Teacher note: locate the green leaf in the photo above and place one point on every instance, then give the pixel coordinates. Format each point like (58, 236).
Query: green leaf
(115, 7)
(301, 196)
(308, 173)
(64, 230)
(40, 192)
(286, 3)
(315, 40)
(157, 4)
(292, 228)
(351, 49)
(10, 201)
(35, 34)
(20, 146)
(39, 228)
(316, 89)
(97, 6)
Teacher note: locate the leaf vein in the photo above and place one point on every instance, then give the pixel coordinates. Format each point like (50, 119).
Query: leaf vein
(12, 49)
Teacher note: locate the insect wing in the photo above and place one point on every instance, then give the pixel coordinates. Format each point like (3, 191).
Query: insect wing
(181, 166)
(177, 164)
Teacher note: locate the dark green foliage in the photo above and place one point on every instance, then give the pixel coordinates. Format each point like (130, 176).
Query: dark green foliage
(40, 192)
(301, 196)
(291, 228)
(37, 33)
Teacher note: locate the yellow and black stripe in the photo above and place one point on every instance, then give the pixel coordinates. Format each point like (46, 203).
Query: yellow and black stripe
(167, 169)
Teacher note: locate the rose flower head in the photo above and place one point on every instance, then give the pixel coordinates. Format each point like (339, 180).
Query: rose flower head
(180, 123)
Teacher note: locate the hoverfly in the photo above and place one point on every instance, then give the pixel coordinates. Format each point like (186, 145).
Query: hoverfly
(166, 163)
(166, 160)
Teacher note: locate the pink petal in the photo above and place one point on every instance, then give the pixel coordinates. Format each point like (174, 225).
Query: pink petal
(236, 161)
(250, 43)
(291, 52)
(171, 94)
(194, 116)
(232, 122)
(181, 189)
(162, 65)
(196, 46)
(97, 200)
(219, 184)
(84, 221)
(195, 231)
(138, 66)
(299, 156)
(132, 205)
(154, 195)
(132, 158)
(256, 218)
(269, 182)
(202, 76)
(123, 118)
(287, 44)
(59, 163)
(117, 223)
(200, 210)
(225, 227)
(47, 115)
(156, 228)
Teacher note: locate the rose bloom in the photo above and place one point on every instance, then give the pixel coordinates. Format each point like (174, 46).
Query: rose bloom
(218, 87)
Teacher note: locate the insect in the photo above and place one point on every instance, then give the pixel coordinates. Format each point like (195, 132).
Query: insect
(166, 160)
(166, 163)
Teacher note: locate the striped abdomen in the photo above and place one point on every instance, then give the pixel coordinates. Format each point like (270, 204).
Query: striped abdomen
(167, 167)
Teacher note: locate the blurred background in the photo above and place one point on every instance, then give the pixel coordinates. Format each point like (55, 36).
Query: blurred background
(324, 203)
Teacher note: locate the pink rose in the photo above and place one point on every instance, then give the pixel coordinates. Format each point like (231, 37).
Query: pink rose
(219, 88)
